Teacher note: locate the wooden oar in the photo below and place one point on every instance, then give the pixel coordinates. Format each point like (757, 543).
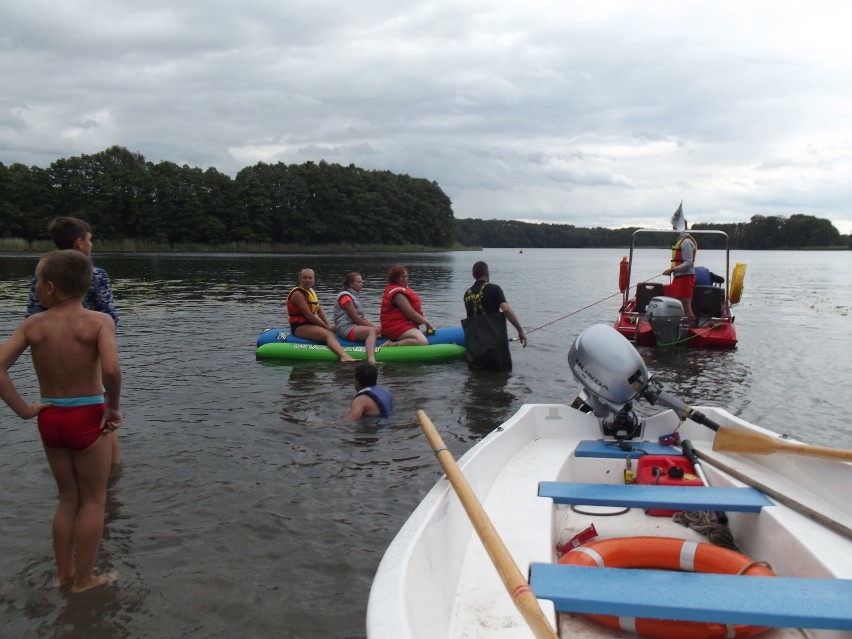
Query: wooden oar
(516, 585)
(743, 441)
(804, 509)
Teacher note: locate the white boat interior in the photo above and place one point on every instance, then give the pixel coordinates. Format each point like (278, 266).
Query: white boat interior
(436, 579)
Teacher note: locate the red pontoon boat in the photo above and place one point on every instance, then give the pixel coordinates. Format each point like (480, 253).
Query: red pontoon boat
(651, 317)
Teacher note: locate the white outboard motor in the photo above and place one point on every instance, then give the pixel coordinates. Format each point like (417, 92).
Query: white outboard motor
(664, 314)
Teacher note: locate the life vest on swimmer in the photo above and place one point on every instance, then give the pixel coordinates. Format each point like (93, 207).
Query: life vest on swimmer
(677, 254)
(623, 269)
(665, 553)
(294, 315)
(381, 396)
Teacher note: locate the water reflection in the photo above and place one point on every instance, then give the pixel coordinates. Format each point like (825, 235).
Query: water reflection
(486, 400)
(702, 377)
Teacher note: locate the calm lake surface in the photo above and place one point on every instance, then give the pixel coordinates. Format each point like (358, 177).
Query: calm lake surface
(247, 505)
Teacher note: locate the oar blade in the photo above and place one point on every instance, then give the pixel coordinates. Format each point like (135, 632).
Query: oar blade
(742, 441)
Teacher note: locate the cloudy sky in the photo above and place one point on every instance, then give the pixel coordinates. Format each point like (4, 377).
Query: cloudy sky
(590, 113)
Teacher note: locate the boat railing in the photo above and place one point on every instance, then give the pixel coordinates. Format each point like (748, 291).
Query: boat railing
(672, 233)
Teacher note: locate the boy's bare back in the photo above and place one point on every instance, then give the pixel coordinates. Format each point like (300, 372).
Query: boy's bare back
(69, 344)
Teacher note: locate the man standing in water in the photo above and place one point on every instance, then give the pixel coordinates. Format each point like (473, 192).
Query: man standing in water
(486, 338)
(682, 270)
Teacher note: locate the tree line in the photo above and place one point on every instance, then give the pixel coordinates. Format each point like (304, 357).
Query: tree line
(123, 196)
(761, 232)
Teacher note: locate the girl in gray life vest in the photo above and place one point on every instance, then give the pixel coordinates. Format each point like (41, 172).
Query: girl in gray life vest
(349, 317)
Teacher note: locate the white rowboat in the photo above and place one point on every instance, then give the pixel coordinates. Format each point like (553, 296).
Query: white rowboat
(436, 579)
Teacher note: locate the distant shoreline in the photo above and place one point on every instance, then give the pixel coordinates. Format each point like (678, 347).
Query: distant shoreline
(15, 245)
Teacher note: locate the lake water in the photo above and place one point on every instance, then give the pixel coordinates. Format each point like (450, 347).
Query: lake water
(248, 505)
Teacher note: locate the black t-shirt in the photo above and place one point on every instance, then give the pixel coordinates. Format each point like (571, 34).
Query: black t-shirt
(483, 297)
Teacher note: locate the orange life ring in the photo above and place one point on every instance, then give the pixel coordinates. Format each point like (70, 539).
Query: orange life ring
(666, 553)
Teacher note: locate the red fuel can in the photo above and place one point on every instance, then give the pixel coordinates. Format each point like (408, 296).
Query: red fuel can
(665, 470)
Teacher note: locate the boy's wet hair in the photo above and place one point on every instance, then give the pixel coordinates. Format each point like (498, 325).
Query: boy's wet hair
(67, 230)
(480, 269)
(366, 375)
(69, 270)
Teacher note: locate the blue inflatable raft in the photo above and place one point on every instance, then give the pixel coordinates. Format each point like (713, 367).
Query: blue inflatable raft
(279, 344)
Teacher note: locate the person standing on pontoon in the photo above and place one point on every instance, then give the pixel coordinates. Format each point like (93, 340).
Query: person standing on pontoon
(684, 252)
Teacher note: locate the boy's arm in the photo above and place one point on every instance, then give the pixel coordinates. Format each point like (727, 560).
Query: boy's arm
(102, 288)
(10, 351)
(110, 374)
(358, 407)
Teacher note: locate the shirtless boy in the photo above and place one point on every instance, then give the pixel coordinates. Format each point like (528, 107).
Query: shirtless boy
(76, 361)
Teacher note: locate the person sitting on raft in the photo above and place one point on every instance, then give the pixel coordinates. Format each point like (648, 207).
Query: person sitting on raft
(401, 313)
(349, 316)
(307, 318)
(370, 400)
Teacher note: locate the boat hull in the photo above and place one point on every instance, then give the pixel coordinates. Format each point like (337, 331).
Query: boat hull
(718, 333)
(436, 579)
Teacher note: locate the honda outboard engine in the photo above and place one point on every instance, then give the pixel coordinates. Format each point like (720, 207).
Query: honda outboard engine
(613, 374)
(664, 314)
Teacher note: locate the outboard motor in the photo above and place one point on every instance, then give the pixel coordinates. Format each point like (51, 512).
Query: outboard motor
(613, 374)
(664, 314)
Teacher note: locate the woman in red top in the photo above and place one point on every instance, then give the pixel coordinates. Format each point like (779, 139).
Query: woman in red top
(401, 314)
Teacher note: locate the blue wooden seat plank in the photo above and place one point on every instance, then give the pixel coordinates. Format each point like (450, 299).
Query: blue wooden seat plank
(610, 449)
(724, 498)
(781, 602)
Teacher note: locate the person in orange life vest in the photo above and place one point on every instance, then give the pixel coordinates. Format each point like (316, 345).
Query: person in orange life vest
(307, 318)
(682, 270)
(370, 400)
(349, 317)
(401, 313)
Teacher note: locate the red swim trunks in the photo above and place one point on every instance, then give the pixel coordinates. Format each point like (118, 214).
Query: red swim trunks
(74, 427)
(681, 287)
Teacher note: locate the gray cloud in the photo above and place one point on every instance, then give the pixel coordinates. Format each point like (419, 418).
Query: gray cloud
(560, 112)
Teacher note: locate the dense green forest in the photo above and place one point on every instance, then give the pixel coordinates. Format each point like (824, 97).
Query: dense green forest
(761, 232)
(124, 197)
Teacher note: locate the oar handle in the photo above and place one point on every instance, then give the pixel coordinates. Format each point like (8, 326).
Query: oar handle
(816, 451)
(513, 580)
(689, 450)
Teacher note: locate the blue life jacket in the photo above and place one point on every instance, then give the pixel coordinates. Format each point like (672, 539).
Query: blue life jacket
(381, 396)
